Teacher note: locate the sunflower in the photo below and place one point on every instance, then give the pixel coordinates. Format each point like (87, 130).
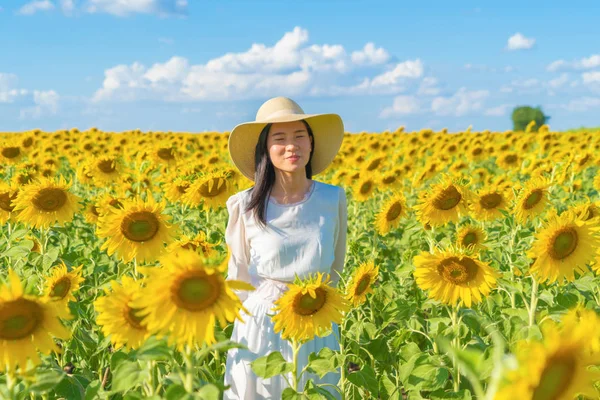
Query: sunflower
(391, 213)
(199, 243)
(532, 199)
(308, 308)
(8, 194)
(454, 274)
(45, 202)
(61, 285)
(209, 190)
(176, 188)
(364, 188)
(27, 325)
(489, 201)
(563, 246)
(470, 236)
(361, 283)
(185, 297)
(10, 152)
(557, 368)
(105, 169)
(443, 202)
(118, 318)
(588, 211)
(138, 231)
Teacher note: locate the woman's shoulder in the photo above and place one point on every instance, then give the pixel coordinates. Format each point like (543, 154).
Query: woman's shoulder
(329, 190)
(239, 197)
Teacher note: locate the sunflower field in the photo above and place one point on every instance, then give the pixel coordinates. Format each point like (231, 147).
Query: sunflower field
(471, 268)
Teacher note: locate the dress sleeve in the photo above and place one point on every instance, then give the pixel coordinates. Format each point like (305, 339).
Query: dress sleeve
(340, 244)
(235, 237)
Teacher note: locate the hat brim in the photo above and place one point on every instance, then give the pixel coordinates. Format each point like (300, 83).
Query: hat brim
(327, 129)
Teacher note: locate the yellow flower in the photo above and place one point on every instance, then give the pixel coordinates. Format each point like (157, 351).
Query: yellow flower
(210, 190)
(443, 202)
(176, 188)
(185, 297)
(118, 318)
(27, 325)
(532, 199)
(470, 236)
(197, 243)
(488, 202)
(364, 187)
(308, 308)
(562, 247)
(558, 367)
(61, 285)
(361, 283)
(8, 194)
(48, 201)
(139, 230)
(452, 275)
(391, 213)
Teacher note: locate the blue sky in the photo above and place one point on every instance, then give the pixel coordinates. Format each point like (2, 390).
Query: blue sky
(192, 65)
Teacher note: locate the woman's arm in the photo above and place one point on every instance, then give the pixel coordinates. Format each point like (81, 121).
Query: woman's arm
(340, 245)
(235, 237)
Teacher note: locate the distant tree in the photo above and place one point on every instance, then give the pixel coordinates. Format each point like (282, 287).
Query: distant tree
(523, 115)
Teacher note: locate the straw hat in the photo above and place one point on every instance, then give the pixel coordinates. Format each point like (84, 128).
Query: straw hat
(327, 129)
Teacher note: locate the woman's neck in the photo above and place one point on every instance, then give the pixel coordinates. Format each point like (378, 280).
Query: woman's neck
(289, 188)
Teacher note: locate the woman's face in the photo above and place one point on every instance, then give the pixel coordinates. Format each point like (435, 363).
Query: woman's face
(289, 146)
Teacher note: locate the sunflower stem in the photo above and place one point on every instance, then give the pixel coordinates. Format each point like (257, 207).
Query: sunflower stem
(534, 299)
(456, 344)
(11, 382)
(188, 383)
(296, 349)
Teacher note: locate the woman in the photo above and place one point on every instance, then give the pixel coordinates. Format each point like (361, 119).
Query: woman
(285, 225)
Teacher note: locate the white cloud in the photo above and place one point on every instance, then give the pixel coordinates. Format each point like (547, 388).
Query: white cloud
(590, 62)
(582, 104)
(46, 102)
(497, 111)
(35, 6)
(562, 80)
(461, 103)
(67, 6)
(486, 68)
(370, 55)
(8, 88)
(520, 42)
(591, 77)
(122, 8)
(290, 67)
(403, 105)
(429, 87)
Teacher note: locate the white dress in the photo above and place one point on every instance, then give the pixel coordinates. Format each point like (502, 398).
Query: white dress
(302, 238)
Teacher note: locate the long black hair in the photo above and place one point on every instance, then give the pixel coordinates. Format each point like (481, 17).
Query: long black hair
(264, 175)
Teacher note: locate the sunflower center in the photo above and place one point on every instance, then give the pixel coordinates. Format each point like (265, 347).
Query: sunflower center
(470, 238)
(510, 159)
(564, 242)
(447, 199)
(94, 211)
(61, 288)
(394, 211)
(19, 319)
(50, 199)
(458, 272)
(389, 179)
(27, 142)
(131, 317)
(362, 285)
(490, 200)
(196, 292)
(212, 187)
(139, 226)
(5, 201)
(365, 187)
(477, 151)
(11, 152)
(116, 203)
(556, 377)
(305, 304)
(189, 246)
(183, 187)
(533, 199)
(166, 153)
(106, 166)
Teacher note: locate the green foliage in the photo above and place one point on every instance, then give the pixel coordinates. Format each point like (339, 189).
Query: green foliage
(523, 115)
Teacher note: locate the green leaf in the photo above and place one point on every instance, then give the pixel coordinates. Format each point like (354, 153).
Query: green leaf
(208, 392)
(19, 251)
(116, 358)
(290, 394)
(128, 375)
(324, 362)
(365, 378)
(271, 365)
(175, 392)
(92, 390)
(70, 388)
(46, 380)
(154, 349)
